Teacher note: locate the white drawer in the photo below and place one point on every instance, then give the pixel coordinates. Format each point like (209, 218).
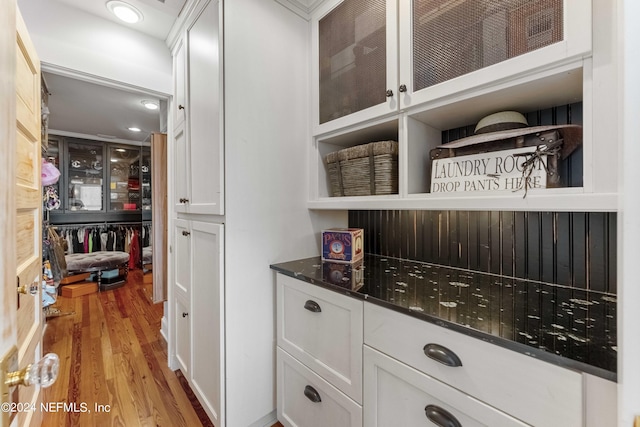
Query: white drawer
(531, 390)
(323, 330)
(306, 400)
(397, 395)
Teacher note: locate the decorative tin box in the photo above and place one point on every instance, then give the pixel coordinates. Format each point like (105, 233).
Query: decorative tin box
(342, 245)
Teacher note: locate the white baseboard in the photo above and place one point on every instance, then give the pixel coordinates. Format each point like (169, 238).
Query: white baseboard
(164, 331)
(266, 421)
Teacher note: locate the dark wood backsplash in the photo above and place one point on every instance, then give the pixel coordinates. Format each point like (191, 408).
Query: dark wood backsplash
(576, 249)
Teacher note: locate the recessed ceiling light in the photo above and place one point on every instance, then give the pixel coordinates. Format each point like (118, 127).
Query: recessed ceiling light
(124, 11)
(121, 150)
(114, 160)
(134, 129)
(150, 105)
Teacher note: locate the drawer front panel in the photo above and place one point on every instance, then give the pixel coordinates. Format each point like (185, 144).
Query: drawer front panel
(323, 330)
(397, 395)
(536, 392)
(306, 400)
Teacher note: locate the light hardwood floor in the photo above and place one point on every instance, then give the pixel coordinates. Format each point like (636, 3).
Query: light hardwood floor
(112, 354)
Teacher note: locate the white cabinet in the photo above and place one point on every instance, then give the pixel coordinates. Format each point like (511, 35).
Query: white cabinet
(397, 395)
(305, 399)
(342, 361)
(319, 337)
(179, 83)
(508, 61)
(354, 62)
(183, 336)
(207, 308)
(198, 117)
(528, 389)
(198, 298)
(323, 330)
(265, 88)
(449, 47)
(182, 295)
(182, 259)
(373, 57)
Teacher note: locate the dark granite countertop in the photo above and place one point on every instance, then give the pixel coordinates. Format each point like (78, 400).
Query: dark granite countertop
(570, 327)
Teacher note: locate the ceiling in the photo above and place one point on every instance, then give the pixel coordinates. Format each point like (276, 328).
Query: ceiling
(81, 107)
(159, 15)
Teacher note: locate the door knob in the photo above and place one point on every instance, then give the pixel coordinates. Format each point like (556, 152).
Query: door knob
(43, 373)
(180, 107)
(402, 88)
(31, 289)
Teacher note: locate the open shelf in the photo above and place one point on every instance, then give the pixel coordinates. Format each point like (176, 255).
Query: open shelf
(561, 95)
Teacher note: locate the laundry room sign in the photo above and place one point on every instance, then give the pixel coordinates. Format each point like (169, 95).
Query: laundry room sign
(492, 171)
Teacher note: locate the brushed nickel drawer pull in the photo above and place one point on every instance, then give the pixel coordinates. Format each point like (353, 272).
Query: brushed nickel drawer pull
(441, 417)
(312, 306)
(312, 394)
(442, 354)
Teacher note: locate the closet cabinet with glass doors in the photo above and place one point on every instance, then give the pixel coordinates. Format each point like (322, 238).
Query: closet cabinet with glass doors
(99, 182)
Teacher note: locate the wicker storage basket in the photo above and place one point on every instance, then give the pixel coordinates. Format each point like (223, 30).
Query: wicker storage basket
(364, 170)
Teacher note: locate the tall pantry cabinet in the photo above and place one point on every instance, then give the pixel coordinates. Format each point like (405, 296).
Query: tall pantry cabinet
(238, 185)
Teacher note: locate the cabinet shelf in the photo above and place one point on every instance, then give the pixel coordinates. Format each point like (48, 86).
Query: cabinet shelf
(422, 128)
(555, 82)
(557, 200)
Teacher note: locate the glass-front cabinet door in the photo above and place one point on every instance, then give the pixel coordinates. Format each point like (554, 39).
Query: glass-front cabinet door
(124, 179)
(52, 200)
(448, 47)
(145, 170)
(85, 167)
(355, 65)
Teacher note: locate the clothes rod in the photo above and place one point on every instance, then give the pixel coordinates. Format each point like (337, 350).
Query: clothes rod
(95, 224)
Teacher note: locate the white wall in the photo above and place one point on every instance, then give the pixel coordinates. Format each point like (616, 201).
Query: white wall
(629, 216)
(68, 38)
(266, 138)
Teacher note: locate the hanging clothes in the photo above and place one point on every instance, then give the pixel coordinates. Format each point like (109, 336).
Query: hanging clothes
(107, 237)
(104, 238)
(135, 252)
(54, 252)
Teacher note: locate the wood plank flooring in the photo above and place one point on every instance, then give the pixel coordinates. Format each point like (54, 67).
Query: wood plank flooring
(112, 354)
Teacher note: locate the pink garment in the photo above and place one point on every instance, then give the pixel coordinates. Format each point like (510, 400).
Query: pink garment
(86, 242)
(49, 173)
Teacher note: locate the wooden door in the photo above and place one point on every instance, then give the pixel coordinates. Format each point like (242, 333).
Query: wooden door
(21, 212)
(8, 142)
(159, 214)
